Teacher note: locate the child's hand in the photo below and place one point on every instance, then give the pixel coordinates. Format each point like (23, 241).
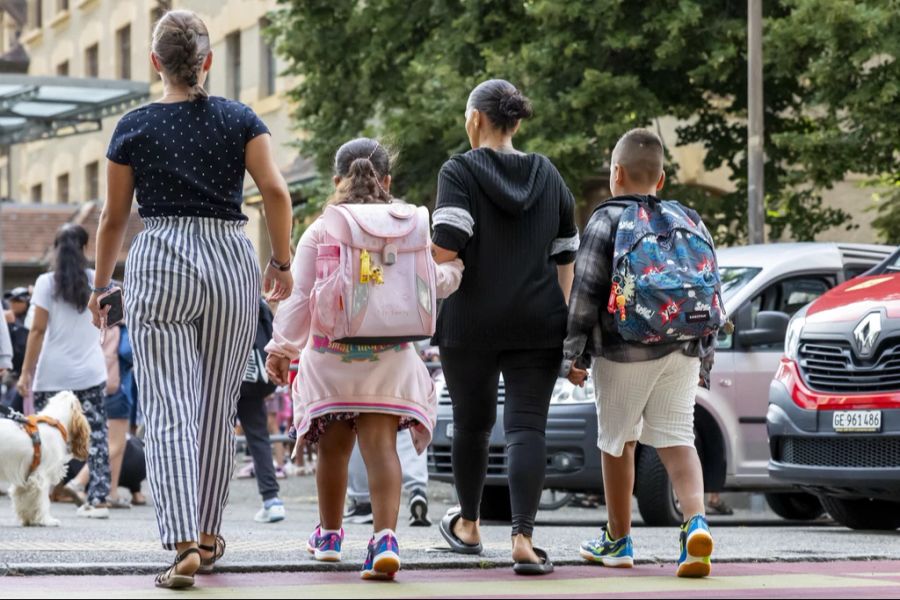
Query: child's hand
(278, 369)
(578, 376)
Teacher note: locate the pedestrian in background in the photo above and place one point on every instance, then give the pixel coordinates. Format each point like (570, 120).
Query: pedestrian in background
(64, 354)
(511, 218)
(192, 281)
(6, 352)
(118, 412)
(252, 411)
(19, 302)
(414, 470)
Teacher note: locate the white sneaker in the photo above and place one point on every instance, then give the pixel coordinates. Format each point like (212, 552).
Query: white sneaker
(272, 513)
(92, 512)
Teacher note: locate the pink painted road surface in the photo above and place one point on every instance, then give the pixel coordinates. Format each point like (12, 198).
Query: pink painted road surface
(856, 579)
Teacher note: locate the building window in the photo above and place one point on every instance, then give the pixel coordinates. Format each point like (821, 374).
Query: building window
(123, 41)
(36, 14)
(37, 193)
(156, 13)
(92, 181)
(268, 69)
(62, 5)
(92, 61)
(62, 69)
(62, 188)
(233, 77)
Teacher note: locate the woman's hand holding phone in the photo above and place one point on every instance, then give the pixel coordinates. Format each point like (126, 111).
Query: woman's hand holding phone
(107, 308)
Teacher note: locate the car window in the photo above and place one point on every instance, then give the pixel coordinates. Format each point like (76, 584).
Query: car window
(854, 271)
(735, 278)
(797, 293)
(890, 265)
(789, 296)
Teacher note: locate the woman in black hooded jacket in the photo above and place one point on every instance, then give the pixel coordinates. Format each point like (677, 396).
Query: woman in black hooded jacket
(510, 217)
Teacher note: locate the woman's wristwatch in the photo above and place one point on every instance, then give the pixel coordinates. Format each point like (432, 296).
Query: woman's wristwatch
(279, 266)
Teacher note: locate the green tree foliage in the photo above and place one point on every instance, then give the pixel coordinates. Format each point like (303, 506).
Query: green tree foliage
(401, 70)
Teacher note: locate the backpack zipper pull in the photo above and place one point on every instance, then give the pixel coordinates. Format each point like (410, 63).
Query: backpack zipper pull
(612, 305)
(620, 304)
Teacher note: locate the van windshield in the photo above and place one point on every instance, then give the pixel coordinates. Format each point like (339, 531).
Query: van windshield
(734, 278)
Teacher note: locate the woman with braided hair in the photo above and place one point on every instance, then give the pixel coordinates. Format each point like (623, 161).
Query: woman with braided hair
(192, 281)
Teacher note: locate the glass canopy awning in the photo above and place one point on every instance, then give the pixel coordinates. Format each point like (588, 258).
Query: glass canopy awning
(40, 108)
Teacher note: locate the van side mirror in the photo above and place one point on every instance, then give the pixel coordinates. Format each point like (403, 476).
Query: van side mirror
(771, 328)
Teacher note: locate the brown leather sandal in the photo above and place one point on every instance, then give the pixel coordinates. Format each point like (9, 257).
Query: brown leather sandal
(170, 579)
(208, 564)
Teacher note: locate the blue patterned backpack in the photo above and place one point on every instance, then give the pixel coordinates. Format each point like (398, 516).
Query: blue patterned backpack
(665, 276)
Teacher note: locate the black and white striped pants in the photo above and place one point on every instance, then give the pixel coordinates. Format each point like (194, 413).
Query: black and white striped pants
(192, 291)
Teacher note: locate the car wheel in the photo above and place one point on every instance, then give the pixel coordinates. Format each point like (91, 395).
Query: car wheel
(656, 498)
(495, 504)
(862, 513)
(555, 499)
(795, 506)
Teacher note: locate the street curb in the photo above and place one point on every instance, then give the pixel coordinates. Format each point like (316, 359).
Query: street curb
(100, 569)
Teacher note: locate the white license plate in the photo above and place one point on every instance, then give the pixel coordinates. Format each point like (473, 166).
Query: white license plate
(850, 421)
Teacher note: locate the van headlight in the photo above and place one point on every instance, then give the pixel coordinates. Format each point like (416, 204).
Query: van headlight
(565, 392)
(792, 341)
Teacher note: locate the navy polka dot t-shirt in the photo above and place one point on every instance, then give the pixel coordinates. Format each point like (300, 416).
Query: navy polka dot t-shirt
(187, 157)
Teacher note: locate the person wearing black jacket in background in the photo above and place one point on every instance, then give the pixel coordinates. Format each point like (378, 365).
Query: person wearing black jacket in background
(251, 412)
(510, 217)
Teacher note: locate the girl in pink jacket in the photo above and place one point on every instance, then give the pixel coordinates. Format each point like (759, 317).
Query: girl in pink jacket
(344, 392)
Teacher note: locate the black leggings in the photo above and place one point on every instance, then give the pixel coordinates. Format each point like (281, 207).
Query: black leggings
(472, 379)
(255, 422)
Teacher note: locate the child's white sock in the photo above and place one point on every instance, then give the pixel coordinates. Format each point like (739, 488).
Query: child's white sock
(384, 532)
(328, 531)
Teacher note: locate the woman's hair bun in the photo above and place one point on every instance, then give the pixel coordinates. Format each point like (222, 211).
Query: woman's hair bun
(515, 106)
(501, 101)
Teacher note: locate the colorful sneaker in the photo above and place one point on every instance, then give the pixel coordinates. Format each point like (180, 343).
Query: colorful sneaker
(609, 552)
(696, 548)
(326, 547)
(383, 560)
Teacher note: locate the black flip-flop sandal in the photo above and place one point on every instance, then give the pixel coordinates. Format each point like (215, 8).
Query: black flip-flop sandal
(545, 567)
(457, 545)
(208, 564)
(171, 580)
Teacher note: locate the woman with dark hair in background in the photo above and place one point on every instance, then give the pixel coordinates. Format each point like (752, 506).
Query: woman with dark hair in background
(510, 217)
(64, 353)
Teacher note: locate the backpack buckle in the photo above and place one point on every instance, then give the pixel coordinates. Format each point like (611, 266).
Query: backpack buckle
(389, 255)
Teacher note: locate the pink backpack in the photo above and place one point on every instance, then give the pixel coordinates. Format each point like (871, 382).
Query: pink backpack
(375, 277)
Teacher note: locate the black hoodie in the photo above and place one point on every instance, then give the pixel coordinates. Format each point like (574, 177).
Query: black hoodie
(512, 220)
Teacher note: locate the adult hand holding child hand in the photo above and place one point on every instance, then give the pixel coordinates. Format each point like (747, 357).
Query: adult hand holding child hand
(578, 376)
(278, 369)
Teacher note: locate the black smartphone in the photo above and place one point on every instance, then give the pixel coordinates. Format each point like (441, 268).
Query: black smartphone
(113, 299)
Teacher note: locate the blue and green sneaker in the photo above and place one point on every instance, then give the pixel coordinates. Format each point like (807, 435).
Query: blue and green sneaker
(609, 552)
(696, 548)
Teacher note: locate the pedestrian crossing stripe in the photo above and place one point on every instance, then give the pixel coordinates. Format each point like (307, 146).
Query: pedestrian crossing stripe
(466, 585)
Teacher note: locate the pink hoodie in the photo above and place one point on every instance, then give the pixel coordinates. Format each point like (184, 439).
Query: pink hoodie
(337, 378)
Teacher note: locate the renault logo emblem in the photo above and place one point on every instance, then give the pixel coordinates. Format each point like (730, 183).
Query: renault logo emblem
(866, 334)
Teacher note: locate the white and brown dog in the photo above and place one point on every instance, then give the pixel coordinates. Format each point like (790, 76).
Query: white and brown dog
(31, 483)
